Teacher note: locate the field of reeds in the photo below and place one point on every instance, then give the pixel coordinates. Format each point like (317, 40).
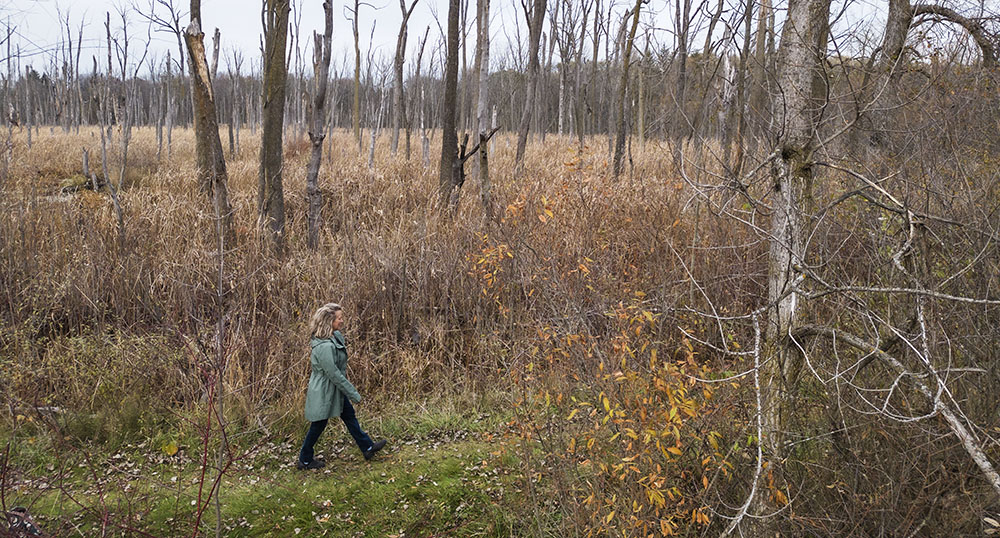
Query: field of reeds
(556, 347)
(432, 296)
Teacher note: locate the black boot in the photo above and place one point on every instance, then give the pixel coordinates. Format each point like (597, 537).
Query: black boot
(314, 464)
(370, 453)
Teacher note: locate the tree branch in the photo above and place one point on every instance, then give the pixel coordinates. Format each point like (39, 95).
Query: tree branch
(984, 41)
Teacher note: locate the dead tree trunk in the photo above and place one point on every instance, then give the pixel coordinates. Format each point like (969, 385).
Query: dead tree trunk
(741, 98)
(321, 65)
(535, 18)
(878, 97)
(398, 102)
(578, 98)
(271, 199)
(448, 183)
(169, 120)
(483, 61)
(212, 175)
(234, 94)
(356, 110)
(424, 142)
(682, 24)
(800, 55)
(622, 89)
(758, 72)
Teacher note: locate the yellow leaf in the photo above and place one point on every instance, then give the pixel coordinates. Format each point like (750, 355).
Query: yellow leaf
(170, 448)
(608, 519)
(779, 497)
(674, 450)
(704, 481)
(572, 414)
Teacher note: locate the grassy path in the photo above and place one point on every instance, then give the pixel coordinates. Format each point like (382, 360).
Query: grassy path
(442, 474)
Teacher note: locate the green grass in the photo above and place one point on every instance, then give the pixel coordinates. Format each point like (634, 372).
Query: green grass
(447, 471)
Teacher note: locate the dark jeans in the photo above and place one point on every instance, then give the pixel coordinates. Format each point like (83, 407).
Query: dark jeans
(316, 428)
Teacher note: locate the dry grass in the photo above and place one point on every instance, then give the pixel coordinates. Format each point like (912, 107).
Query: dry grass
(411, 279)
(547, 296)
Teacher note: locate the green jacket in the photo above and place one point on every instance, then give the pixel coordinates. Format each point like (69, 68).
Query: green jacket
(328, 383)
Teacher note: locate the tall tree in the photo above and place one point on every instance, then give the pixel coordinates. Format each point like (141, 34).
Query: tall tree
(321, 65)
(622, 90)
(535, 15)
(171, 23)
(880, 94)
(398, 102)
(482, 114)
(449, 163)
(758, 72)
(803, 47)
(234, 93)
(739, 111)
(212, 176)
(356, 109)
(682, 25)
(270, 200)
(425, 143)
(577, 98)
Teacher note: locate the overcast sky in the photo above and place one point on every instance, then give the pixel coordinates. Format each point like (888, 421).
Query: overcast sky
(38, 28)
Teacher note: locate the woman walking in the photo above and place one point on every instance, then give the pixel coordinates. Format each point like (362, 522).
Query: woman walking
(330, 394)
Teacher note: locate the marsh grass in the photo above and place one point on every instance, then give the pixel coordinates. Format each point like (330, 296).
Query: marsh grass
(475, 342)
(412, 279)
(444, 311)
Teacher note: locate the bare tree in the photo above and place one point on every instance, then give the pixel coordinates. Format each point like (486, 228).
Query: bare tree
(271, 199)
(682, 27)
(353, 14)
(578, 99)
(106, 105)
(878, 97)
(483, 61)
(170, 108)
(216, 39)
(425, 143)
(622, 89)
(758, 70)
(169, 22)
(449, 166)
(398, 101)
(321, 66)
(803, 46)
(234, 93)
(739, 111)
(212, 175)
(535, 16)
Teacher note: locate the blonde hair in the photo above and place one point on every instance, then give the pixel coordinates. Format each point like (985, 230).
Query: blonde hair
(321, 325)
